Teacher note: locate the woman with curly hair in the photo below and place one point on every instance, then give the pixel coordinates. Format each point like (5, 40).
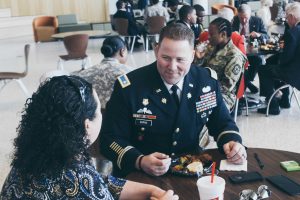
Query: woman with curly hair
(51, 161)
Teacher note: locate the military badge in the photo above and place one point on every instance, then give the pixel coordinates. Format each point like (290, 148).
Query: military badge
(164, 100)
(189, 95)
(144, 111)
(236, 69)
(206, 89)
(145, 102)
(191, 85)
(124, 81)
(158, 90)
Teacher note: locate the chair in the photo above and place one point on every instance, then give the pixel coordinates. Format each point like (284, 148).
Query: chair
(76, 46)
(6, 77)
(240, 93)
(44, 27)
(155, 24)
(121, 26)
(277, 90)
(218, 6)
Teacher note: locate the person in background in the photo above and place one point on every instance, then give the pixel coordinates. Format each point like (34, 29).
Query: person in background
(188, 17)
(128, 7)
(104, 74)
(142, 4)
(156, 9)
(236, 38)
(284, 66)
(173, 9)
(198, 26)
(224, 58)
(159, 110)
(51, 161)
(253, 28)
(265, 14)
(133, 27)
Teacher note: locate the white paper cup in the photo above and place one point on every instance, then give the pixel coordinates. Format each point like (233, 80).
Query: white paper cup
(211, 191)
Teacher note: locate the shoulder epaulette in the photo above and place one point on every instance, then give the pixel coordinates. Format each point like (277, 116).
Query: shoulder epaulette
(123, 80)
(213, 73)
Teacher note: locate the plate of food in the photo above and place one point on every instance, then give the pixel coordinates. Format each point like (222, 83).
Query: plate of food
(269, 47)
(190, 165)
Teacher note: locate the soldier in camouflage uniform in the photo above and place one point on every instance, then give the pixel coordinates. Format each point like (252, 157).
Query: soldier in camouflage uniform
(223, 57)
(104, 74)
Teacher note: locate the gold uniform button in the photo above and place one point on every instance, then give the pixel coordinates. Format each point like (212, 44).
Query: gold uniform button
(174, 143)
(142, 129)
(177, 130)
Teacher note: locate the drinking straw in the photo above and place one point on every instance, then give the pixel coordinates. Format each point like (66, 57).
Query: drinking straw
(213, 172)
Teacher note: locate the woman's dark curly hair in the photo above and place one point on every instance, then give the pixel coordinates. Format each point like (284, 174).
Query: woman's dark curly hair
(51, 133)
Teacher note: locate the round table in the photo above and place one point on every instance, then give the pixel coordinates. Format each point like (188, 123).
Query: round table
(186, 187)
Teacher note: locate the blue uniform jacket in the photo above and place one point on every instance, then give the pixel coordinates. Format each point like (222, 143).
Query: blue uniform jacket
(289, 58)
(142, 117)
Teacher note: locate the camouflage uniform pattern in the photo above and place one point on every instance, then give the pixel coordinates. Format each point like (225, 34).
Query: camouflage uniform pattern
(102, 76)
(229, 64)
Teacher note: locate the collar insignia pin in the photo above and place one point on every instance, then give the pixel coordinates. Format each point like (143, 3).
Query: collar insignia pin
(164, 100)
(145, 102)
(191, 85)
(158, 90)
(189, 95)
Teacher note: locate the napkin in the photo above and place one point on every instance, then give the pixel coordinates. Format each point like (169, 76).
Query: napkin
(227, 166)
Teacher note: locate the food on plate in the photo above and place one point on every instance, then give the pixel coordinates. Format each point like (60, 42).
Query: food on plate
(195, 167)
(190, 164)
(268, 47)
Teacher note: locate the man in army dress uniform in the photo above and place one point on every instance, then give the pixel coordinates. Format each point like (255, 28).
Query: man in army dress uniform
(159, 110)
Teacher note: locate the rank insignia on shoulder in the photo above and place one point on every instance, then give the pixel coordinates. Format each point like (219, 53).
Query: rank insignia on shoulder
(124, 81)
(213, 73)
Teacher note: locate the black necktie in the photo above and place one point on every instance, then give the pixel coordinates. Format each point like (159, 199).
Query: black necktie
(174, 89)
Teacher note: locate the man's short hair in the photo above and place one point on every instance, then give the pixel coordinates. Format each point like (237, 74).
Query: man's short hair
(184, 11)
(293, 9)
(244, 8)
(177, 31)
(119, 4)
(154, 1)
(172, 3)
(198, 8)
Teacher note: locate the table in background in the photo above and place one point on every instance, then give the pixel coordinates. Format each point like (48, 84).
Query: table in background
(91, 34)
(186, 187)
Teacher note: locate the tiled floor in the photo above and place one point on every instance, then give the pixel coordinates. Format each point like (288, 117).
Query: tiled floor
(279, 132)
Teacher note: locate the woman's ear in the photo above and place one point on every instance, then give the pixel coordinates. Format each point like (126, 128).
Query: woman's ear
(86, 124)
(122, 52)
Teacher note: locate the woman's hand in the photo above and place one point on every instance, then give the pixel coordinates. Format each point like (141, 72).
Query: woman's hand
(166, 195)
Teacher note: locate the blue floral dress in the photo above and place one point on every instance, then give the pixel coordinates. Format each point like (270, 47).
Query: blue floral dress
(81, 181)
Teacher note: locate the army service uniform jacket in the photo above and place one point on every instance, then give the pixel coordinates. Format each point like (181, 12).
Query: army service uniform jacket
(142, 117)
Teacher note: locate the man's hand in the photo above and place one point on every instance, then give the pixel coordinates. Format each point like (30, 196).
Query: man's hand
(156, 164)
(235, 152)
(254, 34)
